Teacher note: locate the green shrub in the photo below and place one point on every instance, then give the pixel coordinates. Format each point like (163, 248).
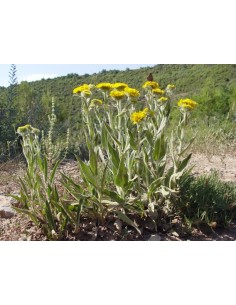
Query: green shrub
(207, 199)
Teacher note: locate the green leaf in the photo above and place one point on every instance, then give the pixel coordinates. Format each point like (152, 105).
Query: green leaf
(68, 181)
(159, 150)
(126, 219)
(131, 161)
(45, 168)
(93, 161)
(114, 156)
(149, 137)
(80, 208)
(52, 175)
(28, 213)
(154, 185)
(87, 173)
(146, 169)
(168, 175)
(104, 178)
(24, 188)
(109, 130)
(29, 178)
(132, 141)
(49, 215)
(77, 191)
(17, 198)
(114, 196)
(187, 147)
(181, 165)
(121, 178)
(104, 138)
(66, 212)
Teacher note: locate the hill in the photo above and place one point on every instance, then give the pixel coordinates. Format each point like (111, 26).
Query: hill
(213, 86)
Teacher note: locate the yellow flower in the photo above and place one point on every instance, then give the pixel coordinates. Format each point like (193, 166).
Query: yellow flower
(104, 86)
(158, 91)
(86, 93)
(27, 128)
(153, 85)
(187, 104)
(117, 95)
(138, 116)
(170, 87)
(119, 86)
(162, 99)
(95, 102)
(132, 92)
(81, 88)
(23, 129)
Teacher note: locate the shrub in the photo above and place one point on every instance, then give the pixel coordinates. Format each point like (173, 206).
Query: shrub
(207, 199)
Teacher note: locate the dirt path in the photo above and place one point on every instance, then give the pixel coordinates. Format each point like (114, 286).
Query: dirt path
(224, 164)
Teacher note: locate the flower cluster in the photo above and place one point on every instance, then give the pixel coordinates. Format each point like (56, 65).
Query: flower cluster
(117, 95)
(138, 116)
(170, 87)
(153, 85)
(83, 88)
(104, 86)
(27, 129)
(158, 91)
(187, 104)
(163, 99)
(95, 102)
(119, 86)
(131, 92)
(118, 91)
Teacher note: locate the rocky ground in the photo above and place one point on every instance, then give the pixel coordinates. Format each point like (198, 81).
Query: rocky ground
(16, 227)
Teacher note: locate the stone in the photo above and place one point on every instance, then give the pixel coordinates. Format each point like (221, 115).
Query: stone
(155, 237)
(5, 207)
(118, 225)
(175, 234)
(6, 212)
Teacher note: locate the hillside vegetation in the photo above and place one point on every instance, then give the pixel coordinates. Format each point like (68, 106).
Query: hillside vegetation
(212, 86)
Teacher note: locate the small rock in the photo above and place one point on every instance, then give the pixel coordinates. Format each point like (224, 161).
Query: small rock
(175, 234)
(118, 225)
(6, 212)
(155, 237)
(213, 225)
(174, 221)
(5, 207)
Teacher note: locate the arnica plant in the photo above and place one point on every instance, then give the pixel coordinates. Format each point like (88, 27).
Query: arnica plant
(134, 167)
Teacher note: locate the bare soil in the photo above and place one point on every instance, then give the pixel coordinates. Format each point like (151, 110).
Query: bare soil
(21, 228)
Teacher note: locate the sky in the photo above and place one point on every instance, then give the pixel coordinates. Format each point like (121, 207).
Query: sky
(33, 72)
